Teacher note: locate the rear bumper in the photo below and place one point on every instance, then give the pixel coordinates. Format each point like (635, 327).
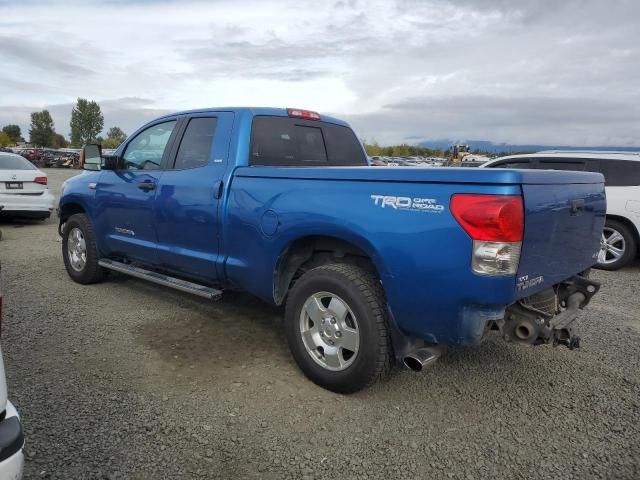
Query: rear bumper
(27, 203)
(11, 445)
(546, 317)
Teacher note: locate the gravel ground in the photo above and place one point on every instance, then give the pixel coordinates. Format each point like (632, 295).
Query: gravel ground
(130, 380)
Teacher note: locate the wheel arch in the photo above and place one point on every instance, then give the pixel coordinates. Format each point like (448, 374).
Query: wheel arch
(68, 209)
(319, 249)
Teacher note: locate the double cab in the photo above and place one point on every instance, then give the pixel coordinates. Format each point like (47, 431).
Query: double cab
(374, 266)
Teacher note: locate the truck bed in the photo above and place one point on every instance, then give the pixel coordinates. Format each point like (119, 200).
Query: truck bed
(423, 256)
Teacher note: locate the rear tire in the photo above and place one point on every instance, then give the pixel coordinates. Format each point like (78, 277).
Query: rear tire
(79, 250)
(619, 246)
(347, 359)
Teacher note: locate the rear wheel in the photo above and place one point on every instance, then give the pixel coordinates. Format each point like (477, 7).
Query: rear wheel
(79, 250)
(617, 246)
(336, 327)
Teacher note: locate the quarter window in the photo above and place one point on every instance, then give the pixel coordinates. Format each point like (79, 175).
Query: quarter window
(620, 173)
(195, 147)
(146, 150)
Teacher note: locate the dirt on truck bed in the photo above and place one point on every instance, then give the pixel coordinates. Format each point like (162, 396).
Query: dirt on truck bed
(129, 380)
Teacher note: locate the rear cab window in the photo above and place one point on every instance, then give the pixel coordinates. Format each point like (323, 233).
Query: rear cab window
(293, 142)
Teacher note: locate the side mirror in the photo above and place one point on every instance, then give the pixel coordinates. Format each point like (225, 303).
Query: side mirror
(91, 157)
(110, 162)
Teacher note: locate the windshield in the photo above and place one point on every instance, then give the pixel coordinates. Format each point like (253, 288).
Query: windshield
(10, 161)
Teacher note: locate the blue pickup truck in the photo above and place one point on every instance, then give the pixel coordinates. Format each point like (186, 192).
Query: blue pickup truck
(375, 266)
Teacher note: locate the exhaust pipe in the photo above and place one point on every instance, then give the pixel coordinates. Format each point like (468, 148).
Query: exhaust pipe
(420, 358)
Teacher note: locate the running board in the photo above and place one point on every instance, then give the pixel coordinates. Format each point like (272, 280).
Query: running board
(160, 279)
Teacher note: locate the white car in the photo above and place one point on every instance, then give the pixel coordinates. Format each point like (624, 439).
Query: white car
(621, 170)
(11, 436)
(23, 188)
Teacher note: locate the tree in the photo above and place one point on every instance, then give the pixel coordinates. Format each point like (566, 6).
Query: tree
(13, 132)
(86, 122)
(42, 128)
(115, 136)
(5, 139)
(58, 141)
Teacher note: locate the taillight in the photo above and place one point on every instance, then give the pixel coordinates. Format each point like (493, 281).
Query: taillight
(306, 114)
(495, 223)
(41, 180)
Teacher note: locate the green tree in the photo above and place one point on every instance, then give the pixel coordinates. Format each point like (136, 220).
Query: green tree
(5, 140)
(14, 133)
(58, 141)
(115, 136)
(86, 122)
(42, 128)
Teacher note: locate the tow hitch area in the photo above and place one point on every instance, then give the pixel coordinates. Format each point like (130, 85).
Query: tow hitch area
(547, 317)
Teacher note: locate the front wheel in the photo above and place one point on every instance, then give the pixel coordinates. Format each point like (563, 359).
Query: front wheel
(79, 250)
(336, 326)
(617, 247)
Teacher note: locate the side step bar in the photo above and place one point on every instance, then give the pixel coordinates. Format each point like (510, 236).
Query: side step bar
(160, 279)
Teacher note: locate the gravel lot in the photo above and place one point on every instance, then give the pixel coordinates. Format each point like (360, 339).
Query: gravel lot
(130, 380)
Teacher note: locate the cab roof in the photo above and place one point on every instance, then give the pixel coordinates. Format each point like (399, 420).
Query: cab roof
(253, 111)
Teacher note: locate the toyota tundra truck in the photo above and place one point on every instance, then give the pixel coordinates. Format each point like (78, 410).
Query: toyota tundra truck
(374, 266)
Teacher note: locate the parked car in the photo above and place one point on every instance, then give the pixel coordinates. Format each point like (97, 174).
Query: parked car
(23, 188)
(621, 170)
(375, 265)
(11, 436)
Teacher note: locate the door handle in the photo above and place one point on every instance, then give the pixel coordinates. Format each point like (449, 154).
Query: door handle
(577, 205)
(217, 190)
(147, 186)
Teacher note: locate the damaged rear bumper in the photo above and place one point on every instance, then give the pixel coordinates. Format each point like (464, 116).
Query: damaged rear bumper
(548, 316)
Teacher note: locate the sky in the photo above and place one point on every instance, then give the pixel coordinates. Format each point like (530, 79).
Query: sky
(539, 71)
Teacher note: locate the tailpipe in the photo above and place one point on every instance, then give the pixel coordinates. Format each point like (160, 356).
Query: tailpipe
(421, 357)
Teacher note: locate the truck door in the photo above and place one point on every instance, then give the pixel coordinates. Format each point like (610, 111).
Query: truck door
(187, 203)
(125, 196)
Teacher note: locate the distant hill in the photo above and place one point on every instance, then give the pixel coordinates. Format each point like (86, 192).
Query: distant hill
(487, 146)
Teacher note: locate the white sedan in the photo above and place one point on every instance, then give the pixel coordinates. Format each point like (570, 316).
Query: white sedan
(23, 188)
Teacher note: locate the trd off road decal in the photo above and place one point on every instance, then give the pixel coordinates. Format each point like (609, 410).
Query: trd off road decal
(416, 204)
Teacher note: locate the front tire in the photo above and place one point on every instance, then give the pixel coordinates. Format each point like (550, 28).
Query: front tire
(337, 329)
(618, 246)
(79, 250)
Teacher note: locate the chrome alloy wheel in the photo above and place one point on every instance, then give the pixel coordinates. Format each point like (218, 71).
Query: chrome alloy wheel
(612, 246)
(77, 249)
(329, 331)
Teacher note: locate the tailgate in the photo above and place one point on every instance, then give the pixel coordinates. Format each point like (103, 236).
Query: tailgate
(563, 227)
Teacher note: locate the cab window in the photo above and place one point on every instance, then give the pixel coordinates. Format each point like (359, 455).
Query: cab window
(620, 173)
(195, 147)
(522, 164)
(569, 165)
(283, 141)
(146, 150)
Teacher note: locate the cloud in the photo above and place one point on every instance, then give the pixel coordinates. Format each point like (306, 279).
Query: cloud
(44, 56)
(502, 70)
(579, 121)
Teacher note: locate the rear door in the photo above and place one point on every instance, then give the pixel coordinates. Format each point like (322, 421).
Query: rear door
(187, 202)
(125, 197)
